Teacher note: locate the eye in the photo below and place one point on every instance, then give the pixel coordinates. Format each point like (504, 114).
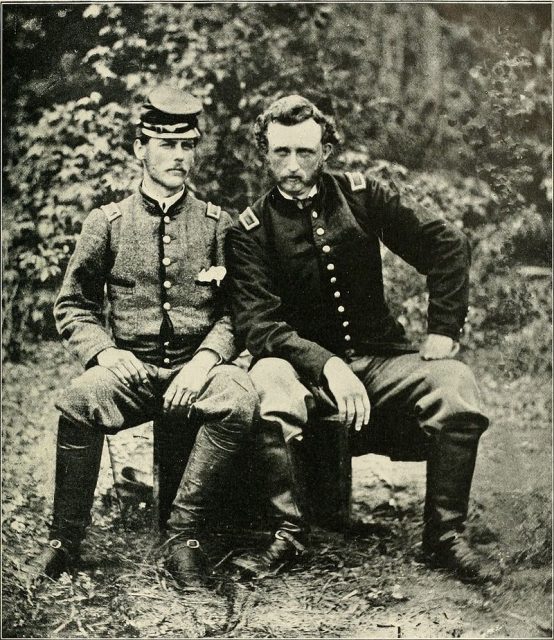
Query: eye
(305, 153)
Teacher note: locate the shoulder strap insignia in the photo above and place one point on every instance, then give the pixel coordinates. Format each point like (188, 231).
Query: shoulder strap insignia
(112, 211)
(213, 211)
(357, 180)
(248, 219)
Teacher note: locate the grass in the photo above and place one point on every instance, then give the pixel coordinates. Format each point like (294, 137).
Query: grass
(367, 585)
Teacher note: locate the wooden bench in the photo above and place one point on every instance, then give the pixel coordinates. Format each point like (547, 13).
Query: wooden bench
(327, 451)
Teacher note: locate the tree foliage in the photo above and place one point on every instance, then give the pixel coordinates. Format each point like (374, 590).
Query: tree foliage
(405, 83)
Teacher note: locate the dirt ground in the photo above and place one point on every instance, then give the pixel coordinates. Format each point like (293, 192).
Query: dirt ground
(367, 583)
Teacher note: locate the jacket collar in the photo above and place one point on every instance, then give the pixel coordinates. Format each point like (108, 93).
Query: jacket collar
(312, 194)
(154, 206)
(285, 204)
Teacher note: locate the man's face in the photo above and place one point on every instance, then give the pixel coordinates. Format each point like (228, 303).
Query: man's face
(295, 155)
(167, 161)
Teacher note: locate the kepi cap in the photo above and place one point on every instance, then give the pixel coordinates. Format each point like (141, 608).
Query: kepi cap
(170, 113)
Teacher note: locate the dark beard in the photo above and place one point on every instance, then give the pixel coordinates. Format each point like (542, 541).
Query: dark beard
(307, 186)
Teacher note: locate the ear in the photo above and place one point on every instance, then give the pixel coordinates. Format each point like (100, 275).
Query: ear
(327, 150)
(139, 149)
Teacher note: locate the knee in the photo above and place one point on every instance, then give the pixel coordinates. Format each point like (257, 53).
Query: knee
(86, 399)
(280, 390)
(76, 398)
(454, 386)
(235, 388)
(456, 381)
(271, 373)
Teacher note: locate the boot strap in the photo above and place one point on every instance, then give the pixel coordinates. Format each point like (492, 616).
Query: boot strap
(281, 534)
(58, 545)
(178, 541)
(192, 543)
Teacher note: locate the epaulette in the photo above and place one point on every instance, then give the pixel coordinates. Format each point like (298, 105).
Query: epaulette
(357, 180)
(213, 211)
(248, 219)
(112, 211)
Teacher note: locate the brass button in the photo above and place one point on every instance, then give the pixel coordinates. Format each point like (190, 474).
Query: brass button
(330, 267)
(320, 231)
(166, 262)
(167, 360)
(333, 280)
(314, 214)
(166, 239)
(326, 248)
(167, 284)
(167, 306)
(340, 309)
(347, 338)
(345, 323)
(337, 294)
(167, 219)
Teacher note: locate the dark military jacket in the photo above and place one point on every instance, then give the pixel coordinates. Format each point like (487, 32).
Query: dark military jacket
(155, 268)
(307, 284)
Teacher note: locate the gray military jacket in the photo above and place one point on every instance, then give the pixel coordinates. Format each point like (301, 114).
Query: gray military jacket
(160, 272)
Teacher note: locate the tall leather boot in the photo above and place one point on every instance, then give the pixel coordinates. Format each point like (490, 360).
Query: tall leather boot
(206, 476)
(78, 456)
(283, 488)
(449, 475)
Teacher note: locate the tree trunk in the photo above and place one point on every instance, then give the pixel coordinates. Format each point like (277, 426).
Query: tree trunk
(392, 53)
(430, 59)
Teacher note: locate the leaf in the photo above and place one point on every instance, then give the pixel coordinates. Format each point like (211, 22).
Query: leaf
(92, 11)
(18, 526)
(103, 70)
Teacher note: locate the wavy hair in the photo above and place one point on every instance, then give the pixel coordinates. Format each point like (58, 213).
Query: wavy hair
(291, 110)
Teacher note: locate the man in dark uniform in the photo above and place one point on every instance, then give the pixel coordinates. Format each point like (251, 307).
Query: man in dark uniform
(307, 293)
(160, 255)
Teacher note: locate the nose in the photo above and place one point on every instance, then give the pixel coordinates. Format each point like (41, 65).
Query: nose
(292, 163)
(180, 151)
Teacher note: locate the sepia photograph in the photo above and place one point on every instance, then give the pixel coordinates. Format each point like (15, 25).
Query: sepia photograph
(277, 320)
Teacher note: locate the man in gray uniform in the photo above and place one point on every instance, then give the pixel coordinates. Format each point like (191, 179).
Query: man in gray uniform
(160, 256)
(308, 300)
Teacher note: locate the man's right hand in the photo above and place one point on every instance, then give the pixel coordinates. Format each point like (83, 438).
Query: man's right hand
(126, 366)
(349, 393)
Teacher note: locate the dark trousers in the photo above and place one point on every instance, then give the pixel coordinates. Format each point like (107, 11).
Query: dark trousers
(97, 402)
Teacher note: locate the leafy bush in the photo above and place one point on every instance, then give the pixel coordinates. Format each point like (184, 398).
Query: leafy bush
(68, 139)
(529, 349)
(71, 161)
(504, 298)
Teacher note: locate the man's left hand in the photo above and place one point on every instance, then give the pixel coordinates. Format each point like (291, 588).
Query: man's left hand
(437, 347)
(186, 385)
